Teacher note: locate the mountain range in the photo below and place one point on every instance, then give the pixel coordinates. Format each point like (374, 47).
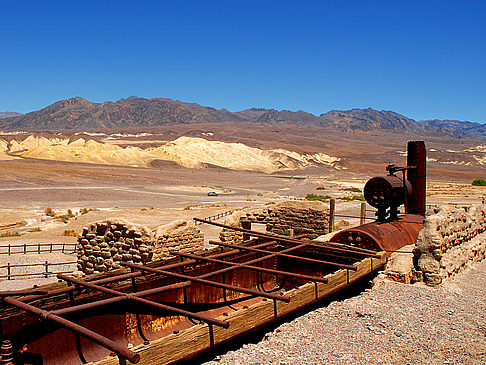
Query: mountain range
(80, 114)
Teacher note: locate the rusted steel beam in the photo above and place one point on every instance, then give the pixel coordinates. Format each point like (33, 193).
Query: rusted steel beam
(121, 351)
(135, 274)
(207, 282)
(293, 240)
(251, 267)
(366, 253)
(294, 257)
(102, 302)
(132, 296)
(10, 293)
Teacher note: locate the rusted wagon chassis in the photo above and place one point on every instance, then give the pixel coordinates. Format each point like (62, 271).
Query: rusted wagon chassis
(201, 301)
(169, 311)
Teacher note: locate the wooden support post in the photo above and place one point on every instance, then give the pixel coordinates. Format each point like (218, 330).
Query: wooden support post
(9, 249)
(8, 270)
(47, 269)
(362, 216)
(246, 225)
(332, 208)
(25, 248)
(38, 247)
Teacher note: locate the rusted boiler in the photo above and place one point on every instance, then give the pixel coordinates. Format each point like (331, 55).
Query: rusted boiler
(164, 312)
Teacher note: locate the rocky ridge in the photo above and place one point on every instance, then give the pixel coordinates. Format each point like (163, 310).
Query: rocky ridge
(80, 114)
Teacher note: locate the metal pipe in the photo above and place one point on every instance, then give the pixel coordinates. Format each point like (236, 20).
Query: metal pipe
(130, 275)
(76, 328)
(207, 282)
(416, 156)
(294, 257)
(254, 268)
(274, 237)
(131, 296)
(103, 302)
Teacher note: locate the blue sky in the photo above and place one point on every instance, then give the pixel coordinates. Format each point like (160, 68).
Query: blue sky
(424, 59)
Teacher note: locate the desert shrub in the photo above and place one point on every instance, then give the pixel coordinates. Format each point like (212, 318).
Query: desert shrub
(359, 197)
(49, 212)
(10, 234)
(36, 229)
(313, 197)
(479, 182)
(353, 189)
(83, 211)
(320, 188)
(69, 213)
(69, 233)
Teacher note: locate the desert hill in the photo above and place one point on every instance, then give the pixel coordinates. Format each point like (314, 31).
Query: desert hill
(189, 152)
(133, 112)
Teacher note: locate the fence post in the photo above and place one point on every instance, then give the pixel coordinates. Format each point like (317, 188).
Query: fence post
(25, 248)
(47, 269)
(362, 216)
(51, 247)
(63, 246)
(38, 247)
(9, 249)
(8, 270)
(332, 208)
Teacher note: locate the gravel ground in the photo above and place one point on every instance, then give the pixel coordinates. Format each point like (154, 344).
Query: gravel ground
(391, 324)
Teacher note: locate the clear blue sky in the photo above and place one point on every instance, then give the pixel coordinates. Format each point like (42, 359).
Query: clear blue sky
(424, 59)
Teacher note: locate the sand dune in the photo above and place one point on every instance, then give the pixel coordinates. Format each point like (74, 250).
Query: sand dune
(186, 151)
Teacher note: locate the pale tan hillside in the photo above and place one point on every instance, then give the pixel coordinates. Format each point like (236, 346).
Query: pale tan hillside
(195, 152)
(91, 152)
(190, 152)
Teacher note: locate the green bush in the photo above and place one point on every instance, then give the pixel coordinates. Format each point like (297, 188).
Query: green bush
(479, 182)
(322, 198)
(359, 197)
(49, 212)
(10, 234)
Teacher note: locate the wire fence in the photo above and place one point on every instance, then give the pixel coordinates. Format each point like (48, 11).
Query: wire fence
(39, 248)
(9, 275)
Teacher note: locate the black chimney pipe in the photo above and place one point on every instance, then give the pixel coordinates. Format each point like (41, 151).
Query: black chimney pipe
(416, 156)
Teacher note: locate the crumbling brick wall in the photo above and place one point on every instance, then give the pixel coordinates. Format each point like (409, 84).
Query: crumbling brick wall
(103, 245)
(449, 239)
(309, 217)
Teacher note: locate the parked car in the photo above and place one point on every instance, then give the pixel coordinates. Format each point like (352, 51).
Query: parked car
(212, 193)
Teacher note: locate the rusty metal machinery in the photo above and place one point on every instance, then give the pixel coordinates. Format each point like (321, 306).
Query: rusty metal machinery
(392, 231)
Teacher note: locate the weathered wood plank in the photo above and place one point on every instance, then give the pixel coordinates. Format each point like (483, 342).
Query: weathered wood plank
(196, 339)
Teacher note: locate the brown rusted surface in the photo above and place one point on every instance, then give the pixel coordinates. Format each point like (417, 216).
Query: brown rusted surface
(416, 156)
(383, 236)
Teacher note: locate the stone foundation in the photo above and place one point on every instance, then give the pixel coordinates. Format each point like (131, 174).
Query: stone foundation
(302, 217)
(451, 237)
(103, 245)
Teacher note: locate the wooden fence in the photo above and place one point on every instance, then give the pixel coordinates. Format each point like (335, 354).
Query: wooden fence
(38, 248)
(44, 273)
(215, 217)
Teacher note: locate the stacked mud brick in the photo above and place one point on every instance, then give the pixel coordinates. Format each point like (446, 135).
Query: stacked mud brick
(299, 217)
(451, 237)
(229, 235)
(103, 245)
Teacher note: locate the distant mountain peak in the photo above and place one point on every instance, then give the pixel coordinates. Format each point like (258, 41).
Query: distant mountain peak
(79, 113)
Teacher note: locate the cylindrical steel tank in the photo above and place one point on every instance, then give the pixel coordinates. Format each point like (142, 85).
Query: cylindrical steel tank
(386, 191)
(383, 236)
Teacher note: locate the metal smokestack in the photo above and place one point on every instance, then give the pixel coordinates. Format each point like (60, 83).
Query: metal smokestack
(416, 156)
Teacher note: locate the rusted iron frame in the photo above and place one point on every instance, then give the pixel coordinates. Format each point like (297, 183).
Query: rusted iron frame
(282, 238)
(135, 274)
(121, 351)
(136, 298)
(241, 265)
(98, 303)
(294, 257)
(199, 280)
(9, 293)
(344, 250)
